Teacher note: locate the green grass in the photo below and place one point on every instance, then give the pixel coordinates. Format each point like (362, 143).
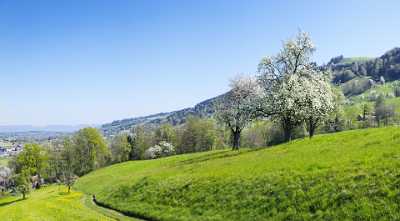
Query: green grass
(352, 175)
(49, 203)
(4, 161)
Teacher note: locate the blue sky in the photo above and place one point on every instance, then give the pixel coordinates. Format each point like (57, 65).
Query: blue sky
(73, 62)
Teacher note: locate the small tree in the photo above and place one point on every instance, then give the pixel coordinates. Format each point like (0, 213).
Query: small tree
(22, 183)
(239, 106)
(67, 164)
(139, 140)
(197, 135)
(32, 161)
(120, 148)
(366, 115)
(165, 132)
(336, 119)
(319, 100)
(383, 112)
(90, 150)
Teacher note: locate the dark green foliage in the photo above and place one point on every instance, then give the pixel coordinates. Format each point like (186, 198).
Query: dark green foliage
(32, 161)
(197, 135)
(167, 133)
(140, 140)
(387, 66)
(22, 182)
(383, 112)
(67, 161)
(90, 151)
(120, 148)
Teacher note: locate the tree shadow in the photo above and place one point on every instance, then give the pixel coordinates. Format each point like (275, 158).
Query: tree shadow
(11, 202)
(217, 155)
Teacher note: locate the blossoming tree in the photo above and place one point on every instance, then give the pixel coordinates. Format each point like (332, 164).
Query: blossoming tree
(295, 90)
(239, 106)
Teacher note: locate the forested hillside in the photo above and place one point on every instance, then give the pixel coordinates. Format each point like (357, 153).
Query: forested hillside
(202, 109)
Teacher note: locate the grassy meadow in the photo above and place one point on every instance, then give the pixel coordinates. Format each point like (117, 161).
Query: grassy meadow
(352, 175)
(49, 203)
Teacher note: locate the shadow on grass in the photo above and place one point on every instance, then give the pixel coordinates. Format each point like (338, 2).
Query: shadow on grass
(218, 155)
(11, 202)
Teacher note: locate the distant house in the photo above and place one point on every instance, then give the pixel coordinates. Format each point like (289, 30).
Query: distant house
(5, 175)
(3, 151)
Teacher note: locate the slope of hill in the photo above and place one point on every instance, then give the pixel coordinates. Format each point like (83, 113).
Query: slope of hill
(352, 175)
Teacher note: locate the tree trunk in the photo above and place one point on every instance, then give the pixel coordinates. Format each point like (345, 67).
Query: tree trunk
(23, 196)
(69, 188)
(287, 130)
(38, 185)
(311, 131)
(236, 140)
(287, 134)
(312, 125)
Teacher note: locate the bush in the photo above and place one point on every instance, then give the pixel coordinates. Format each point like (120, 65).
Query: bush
(153, 152)
(167, 149)
(163, 149)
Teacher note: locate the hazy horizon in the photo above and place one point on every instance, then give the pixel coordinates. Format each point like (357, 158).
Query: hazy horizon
(91, 62)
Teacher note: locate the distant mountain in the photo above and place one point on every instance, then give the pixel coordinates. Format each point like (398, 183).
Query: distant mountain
(203, 109)
(354, 75)
(47, 128)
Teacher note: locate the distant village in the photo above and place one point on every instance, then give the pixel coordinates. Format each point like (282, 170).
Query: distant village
(7, 150)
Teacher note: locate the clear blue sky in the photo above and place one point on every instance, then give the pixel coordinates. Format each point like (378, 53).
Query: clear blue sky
(72, 62)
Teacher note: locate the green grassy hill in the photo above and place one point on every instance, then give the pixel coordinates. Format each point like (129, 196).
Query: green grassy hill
(348, 175)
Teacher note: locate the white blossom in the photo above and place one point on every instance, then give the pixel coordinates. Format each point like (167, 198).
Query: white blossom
(294, 89)
(163, 149)
(239, 106)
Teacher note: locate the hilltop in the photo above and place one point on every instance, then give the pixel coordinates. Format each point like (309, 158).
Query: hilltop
(346, 175)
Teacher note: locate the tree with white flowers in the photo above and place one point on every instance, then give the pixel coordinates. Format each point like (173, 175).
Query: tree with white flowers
(295, 90)
(319, 101)
(239, 106)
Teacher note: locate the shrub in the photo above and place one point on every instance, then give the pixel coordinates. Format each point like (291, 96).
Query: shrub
(163, 149)
(153, 152)
(167, 149)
